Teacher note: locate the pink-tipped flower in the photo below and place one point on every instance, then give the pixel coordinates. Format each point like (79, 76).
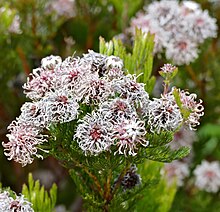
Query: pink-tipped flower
(195, 109)
(207, 176)
(164, 114)
(128, 135)
(60, 106)
(23, 141)
(128, 88)
(94, 133)
(178, 28)
(176, 171)
(9, 204)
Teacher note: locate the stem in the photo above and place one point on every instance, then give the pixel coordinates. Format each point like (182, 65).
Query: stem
(23, 60)
(166, 87)
(93, 177)
(107, 186)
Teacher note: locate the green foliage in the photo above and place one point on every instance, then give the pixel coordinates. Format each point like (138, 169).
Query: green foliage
(165, 154)
(139, 61)
(147, 196)
(151, 197)
(36, 194)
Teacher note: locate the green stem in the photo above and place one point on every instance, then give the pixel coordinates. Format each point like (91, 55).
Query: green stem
(93, 177)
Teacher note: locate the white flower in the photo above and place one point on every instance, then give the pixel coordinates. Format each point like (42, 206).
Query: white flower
(207, 176)
(196, 109)
(202, 26)
(127, 88)
(178, 28)
(19, 204)
(96, 60)
(60, 106)
(95, 89)
(38, 83)
(51, 62)
(181, 50)
(114, 62)
(163, 11)
(168, 68)
(164, 114)
(117, 108)
(176, 170)
(128, 134)
(32, 113)
(64, 8)
(94, 133)
(23, 141)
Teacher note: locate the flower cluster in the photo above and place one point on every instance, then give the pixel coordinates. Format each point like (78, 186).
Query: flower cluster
(179, 28)
(114, 109)
(17, 204)
(207, 176)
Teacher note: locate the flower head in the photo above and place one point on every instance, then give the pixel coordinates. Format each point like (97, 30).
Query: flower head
(93, 133)
(176, 170)
(178, 28)
(128, 134)
(164, 114)
(195, 108)
(23, 141)
(9, 204)
(60, 106)
(207, 176)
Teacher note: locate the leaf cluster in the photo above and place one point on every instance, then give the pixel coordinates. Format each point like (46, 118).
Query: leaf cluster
(42, 200)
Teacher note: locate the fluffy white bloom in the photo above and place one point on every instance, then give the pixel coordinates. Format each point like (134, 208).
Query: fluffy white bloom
(163, 11)
(168, 68)
(202, 26)
(178, 28)
(38, 83)
(97, 61)
(181, 50)
(128, 134)
(23, 141)
(127, 88)
(176, 170)
(95, 90)
(164, 114)
(33, 114)
(190, 5)
(19, 204)
(207, 176)
(195, 108)
(51, 62)
(114, 62)
(60, 106)
(117, 108)
(94, 133)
